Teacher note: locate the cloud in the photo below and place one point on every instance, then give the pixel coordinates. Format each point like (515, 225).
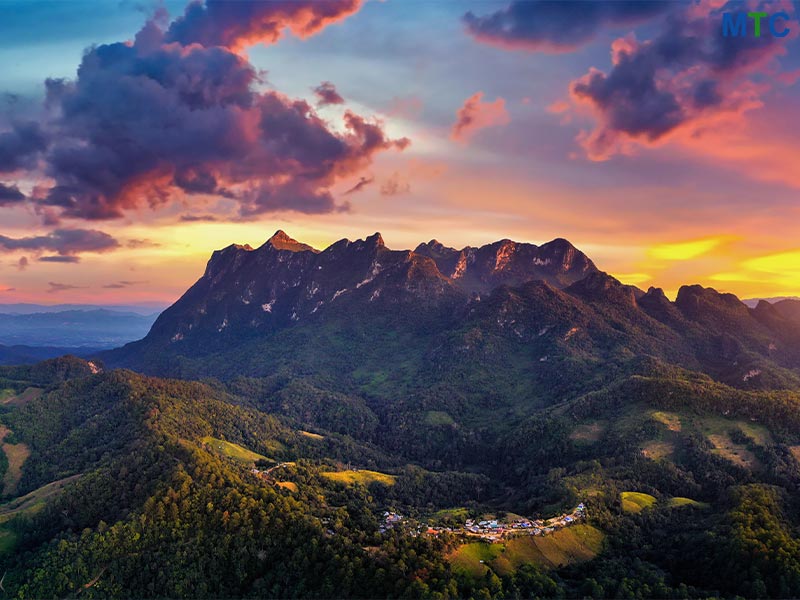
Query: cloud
(687, 78)
(56, 288)
(10, 195)
(475, 115)
(6, 289)
(558, 25)
(20, 145)
(135, 244)
(122, 284)
(237, 24)
(22, 264)
(685, 250)
(362, 183)
(395, 185)
(60, 259)
(177, 113)
(326, 94)
(198, 218)
(65, 242)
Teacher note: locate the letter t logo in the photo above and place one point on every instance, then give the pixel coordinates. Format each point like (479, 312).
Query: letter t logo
(757, 16)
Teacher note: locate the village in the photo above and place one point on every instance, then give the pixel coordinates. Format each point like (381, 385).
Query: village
(494, 530)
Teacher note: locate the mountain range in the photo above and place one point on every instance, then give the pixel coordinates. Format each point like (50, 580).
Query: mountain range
(306, 423)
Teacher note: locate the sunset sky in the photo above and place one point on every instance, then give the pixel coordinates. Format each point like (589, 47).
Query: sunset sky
(667, 153)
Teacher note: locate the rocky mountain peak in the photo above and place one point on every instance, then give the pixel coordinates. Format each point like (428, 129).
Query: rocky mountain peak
(375, 240)
(281, 241)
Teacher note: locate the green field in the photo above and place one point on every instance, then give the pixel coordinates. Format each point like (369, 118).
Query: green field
(363, 477)
(33, 501)
(566, 546)
(231, 450)
(16, 455)
(680, 501)
(474, 558)
(6, 395)
(27, 505)
(670, 420)
(635, 502)
(459, 514)
(438, 417)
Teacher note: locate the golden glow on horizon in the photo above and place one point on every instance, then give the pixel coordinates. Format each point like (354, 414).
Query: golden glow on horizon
(633, 278)
(684, 250)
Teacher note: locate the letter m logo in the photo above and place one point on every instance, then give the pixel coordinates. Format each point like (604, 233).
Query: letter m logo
(734, 27)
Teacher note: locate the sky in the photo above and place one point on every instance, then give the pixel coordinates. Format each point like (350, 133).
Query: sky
(137, 137)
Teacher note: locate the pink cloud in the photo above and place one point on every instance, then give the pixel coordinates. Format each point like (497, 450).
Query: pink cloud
(475, 115)
(684, 83)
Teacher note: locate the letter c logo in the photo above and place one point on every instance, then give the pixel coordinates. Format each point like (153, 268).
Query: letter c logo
(773, 29)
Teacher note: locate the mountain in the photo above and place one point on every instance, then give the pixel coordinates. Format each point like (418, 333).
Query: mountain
(144, 308)
(392, 339)
(26, 355)
(98, 328)
(360, 421)
(507, 262)
(789, 308)
(263, 305)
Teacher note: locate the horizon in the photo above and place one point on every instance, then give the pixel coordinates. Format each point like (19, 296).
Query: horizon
(671, 294)
(468, 135)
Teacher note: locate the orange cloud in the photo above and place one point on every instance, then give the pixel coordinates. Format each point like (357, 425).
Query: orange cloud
(475, 115)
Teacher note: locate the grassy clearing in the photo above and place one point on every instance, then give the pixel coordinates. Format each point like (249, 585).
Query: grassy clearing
(33, 501)
(460, 514)
(758, 433)
(681, 501)
(363, 477)
(27, 505)
(656, 449)
(736, 453)
(5, 395)
(670, 420)
(16, 454)
(30, 394)
(436, 418)
(635, 502)
(313, 436)
(231, 450)
(287, 485)
(588, 432)
(474, 558)
(566, 546)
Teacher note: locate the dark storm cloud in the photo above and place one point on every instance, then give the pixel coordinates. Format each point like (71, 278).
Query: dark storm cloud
(10, 194)
(65, 242)
(241, 23)
(177, 113)
(326, 94)
(20, 145)
(685, 74)
(558, 25)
